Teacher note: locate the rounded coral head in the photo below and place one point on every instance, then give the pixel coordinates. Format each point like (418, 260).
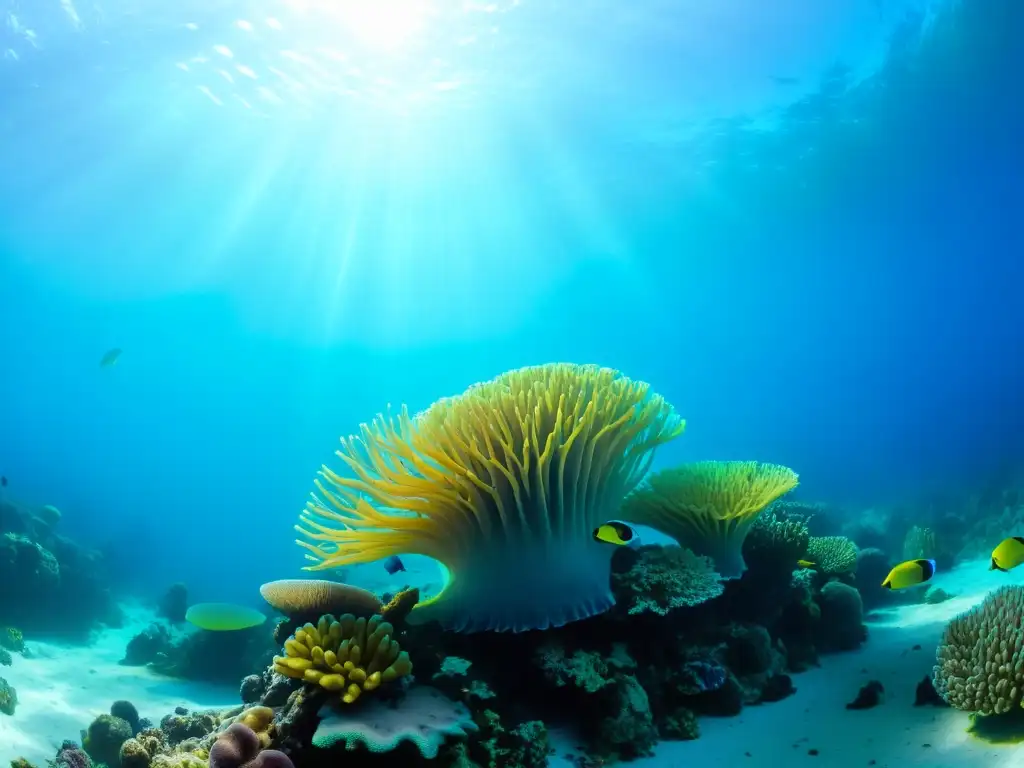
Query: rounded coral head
(504, 486)
(315, 597)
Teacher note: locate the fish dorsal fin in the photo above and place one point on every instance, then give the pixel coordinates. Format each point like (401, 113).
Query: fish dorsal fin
(1019, 539)
(927, 568)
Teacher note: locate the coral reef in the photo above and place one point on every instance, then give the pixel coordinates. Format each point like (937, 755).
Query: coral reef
(834, 555)
(69, 585)
(345, 655)
(174, 604)
(103, 740)
(776, 540)
(8, 698)
(873, 565)
(502, 485)
(663, 578)
(980, 665)
(709, 506)
(842, 618)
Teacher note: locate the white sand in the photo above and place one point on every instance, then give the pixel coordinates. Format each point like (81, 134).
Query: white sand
(62, 688)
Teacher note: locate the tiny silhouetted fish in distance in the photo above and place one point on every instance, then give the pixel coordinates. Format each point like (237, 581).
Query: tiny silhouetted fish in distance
(110, 357)
(3, 481)
(393, 565)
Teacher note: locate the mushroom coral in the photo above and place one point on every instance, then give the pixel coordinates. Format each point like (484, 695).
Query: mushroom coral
(709, 506)
(503, 485)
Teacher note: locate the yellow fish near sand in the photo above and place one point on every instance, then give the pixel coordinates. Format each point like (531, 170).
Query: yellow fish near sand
(1008, 555)
(617, 533)
(909, 574)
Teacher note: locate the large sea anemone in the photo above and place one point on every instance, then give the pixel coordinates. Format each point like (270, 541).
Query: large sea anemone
(503, 485)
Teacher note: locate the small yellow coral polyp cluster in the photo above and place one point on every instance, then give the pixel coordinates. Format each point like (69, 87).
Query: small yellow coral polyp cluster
(346, 655)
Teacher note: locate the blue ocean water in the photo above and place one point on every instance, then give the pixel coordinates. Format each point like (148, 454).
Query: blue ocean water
(801, 232)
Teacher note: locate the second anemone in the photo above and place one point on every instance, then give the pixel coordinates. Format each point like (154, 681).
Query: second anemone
(709, 506)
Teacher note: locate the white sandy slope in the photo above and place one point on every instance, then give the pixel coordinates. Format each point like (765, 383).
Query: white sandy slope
(895, 734)
(61, 688)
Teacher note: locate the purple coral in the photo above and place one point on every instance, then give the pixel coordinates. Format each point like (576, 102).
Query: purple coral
(239, 747)
(70, 755)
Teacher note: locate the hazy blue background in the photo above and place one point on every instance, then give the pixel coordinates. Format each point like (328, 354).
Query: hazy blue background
(801, 225)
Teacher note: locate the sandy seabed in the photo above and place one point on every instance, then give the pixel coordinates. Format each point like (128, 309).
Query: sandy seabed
(61, 688)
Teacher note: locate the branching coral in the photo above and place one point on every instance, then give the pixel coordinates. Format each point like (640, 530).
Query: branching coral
(709, 506)
(347, 655)
(981, 655)
(663, 578)
(503, 485)
(834, 555)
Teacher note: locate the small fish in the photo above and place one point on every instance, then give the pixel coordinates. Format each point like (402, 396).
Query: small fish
(909, 574)
(110, 357)
(393, 565)
(3, 481)
(617, 533)
(1008, 555)
(806, 564)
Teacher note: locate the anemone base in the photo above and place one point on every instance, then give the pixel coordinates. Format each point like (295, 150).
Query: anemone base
(521, 587)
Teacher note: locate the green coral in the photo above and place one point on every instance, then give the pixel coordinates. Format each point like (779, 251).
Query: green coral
(834, 555)
(12, 639)
(524, 746)
(5, 658)
(776, 540)
(586, 670)
(8, 698)
(980, 657)
(664, 578)
(102, 742)
(680, 725)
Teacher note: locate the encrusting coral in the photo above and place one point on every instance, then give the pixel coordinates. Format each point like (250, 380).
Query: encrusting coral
(345, 655)
(425, 717)
(709, 506)
(980, 658)
(663, 578)
(503, 485)
(834, 555)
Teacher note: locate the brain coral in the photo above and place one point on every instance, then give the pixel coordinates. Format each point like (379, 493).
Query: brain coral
(504, 486)
(709, 506)
(981, 655)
